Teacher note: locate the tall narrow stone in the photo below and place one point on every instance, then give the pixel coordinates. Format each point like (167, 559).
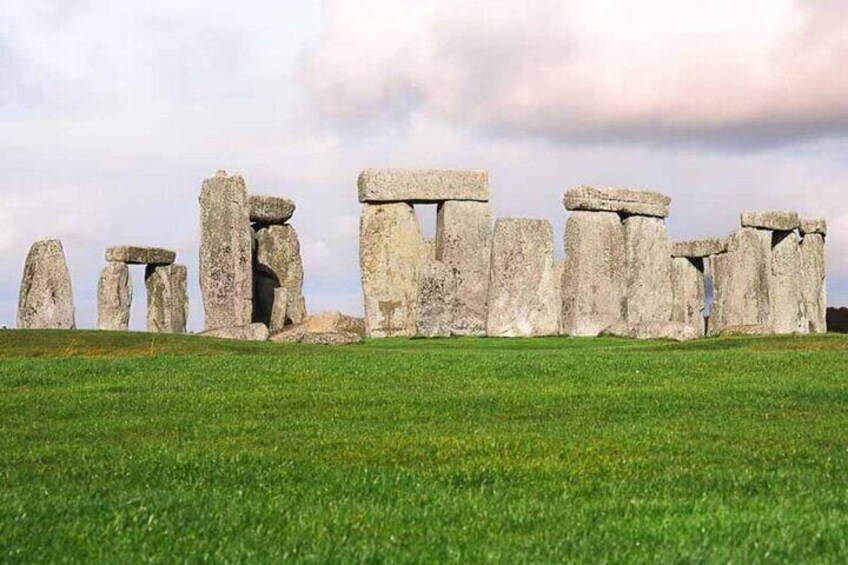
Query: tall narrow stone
(786, 303)
(523, 292)
(688, 288)
(463, 241)
(593, 282)
(226, 276)
(437, 298)
(167, 298)
(114, 297)
(279, 265)
(391, 251)
(46, 299)
(812, 282)
(648, 258)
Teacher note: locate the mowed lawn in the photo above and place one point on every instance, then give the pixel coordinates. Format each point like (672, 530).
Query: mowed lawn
(133, 447)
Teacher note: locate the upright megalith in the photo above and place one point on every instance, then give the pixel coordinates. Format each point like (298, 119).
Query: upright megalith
(278, 264)
(688, 291)
(167, 298)
(46, 298)
(226, 275)
(786, 303)
(437, 297)
(812, 278)
(648, 258)
(114, 297)
(523, 292)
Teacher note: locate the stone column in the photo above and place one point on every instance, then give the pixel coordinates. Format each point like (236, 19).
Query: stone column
(279, 264)
(46, 300)
(167, 298)
(787, 305)
(813, 288)
(648, 257)
(114, 297)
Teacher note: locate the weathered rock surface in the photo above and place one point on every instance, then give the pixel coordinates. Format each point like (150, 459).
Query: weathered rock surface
(523, 293)
(813, 225)
(326, 328)
(226, 274)
(812, 282)
(248, 332)
(463, 241)
(698, 248)
(751, 329)
(676, 331)
(279, 264)
(786, 304)
(741, 281)
(46, 299)
(167, 298)
(593, 283)
(620, 200)
(279, 309)
(688, 288)
(136, 255)
(334, 322)
(419, 186)
(437, 298)
(114, 297)
(289, 334)
(270, 209)
(331, 338)
(648, 259)
(391, 251)
(778, 221)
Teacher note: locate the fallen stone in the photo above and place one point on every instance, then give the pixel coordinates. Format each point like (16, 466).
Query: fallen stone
(437, 290)
(248, 332)
(786, 303)
(268, 210)
(135, 255)
(278, 317)
(46, 299)
(778, 221)
(334, 322)
(290, 334)
(167, 298)
(813, 225)
(114, 297)
(463, 242)
(331, 338)
(619, 200)
(649, 294)
(593, 283)
(394, 185)
(278, 259)
(698, 248)
(226, 273)
(688, 289)
(812, 282)
(676, 331)
(750, 329)
(524, 296)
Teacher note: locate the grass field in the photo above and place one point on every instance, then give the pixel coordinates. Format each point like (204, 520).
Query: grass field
(133, 447)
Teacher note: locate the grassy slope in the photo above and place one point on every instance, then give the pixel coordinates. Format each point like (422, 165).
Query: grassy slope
(129, 446)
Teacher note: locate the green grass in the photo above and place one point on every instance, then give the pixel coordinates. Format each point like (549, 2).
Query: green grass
(131, 447)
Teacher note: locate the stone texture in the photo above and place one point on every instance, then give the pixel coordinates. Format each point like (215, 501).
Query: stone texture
(677, 331)
(688, 290)
(114, 297)
(812, 282)
(786, 304)
(391, 251)
(289, 334)
(278, 264)
(419, 186)
(593, 282)
(813, 225)
(619, 200)
(523, 293)
(463, 241)
(270, 209)
(248, 332)
(226, 274)
(331, 338)
(279, 309)
(741, 281)
(437, 298)
(136, 255)
(750, 329)
(779, 221)
(46, 299)
(698, 248)
(649, 294)
(334, 322)
(167, 298)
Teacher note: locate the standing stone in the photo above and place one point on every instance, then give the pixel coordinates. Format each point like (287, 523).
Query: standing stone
(787, 305)
(688, 289)
(279, 310)
(523, 293)
(593, 282)
(278, 260)
(114, 297)
(46, 299)
(463, 241)
(167, 298)
(812, 281)
(391, 251)
(437, 299)
(226, 275)
(648, 257)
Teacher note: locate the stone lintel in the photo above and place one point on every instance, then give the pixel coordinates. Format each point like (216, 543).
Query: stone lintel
(422, 186)
(270, 209)
(813, 225)
(620, 200)
(782, 220)
(698, 248)
(136, 255)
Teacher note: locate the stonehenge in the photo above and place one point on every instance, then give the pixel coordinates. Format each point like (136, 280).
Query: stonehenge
(46, 299)
(114, 297)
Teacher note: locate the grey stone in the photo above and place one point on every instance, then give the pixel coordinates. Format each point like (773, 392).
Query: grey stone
(648, 259)
(750, 329)
(114, 297)
(270, 209)
(290, 334)
(463, 241)
(279, 310)
(248, 332)
(813, 225)
(167, 298)
(677, 331)
(279, 264)
(779, 220)
(334, 322)
(391, 251)
(136, 255)
(786, 304)
(419, 186)
(812, 282)
(331, 338)
(594, 281)
(698, 248)
(226, 274)
(689, 289)
(620, 200)
(46, 299)
(437, 298)
(523, 293)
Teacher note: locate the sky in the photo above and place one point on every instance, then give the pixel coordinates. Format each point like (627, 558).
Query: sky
(112, 113)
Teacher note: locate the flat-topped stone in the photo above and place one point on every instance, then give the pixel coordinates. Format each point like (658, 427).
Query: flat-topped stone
(421, 186)
(138, 255)
(270, 209)
(698, 248)
(777, 220)
(620, 200)
(813, 225)
(249, 332)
